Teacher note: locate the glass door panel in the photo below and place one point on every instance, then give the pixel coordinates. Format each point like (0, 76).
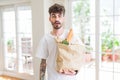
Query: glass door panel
(9, 38)
(117, 7)
(83, 20)
(83, 23)
(25, 39)
(106, 7)
(110, 40)
(17, 34)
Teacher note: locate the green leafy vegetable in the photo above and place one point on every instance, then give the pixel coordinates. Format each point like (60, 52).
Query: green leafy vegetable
(65, 42)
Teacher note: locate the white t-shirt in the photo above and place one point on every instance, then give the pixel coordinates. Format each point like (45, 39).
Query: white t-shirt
(47, 49)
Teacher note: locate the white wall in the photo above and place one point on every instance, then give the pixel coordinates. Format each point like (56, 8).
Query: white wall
(1, 56)
(38, 31)
(38, 14)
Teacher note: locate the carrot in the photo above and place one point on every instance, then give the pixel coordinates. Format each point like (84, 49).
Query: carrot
(70, 35)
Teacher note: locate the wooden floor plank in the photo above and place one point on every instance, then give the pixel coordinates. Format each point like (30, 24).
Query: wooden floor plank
(5, 77)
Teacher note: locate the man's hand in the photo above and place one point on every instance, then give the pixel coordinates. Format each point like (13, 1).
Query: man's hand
(68, 72)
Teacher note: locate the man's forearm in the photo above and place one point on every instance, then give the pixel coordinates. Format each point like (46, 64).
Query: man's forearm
(42, 69)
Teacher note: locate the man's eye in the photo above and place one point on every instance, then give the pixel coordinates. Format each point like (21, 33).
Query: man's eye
(53, 16)
(59, 15)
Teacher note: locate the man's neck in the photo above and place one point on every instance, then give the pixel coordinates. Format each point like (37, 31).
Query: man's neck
(57, 32)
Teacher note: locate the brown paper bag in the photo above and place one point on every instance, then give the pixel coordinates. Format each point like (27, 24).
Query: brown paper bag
(69, 56)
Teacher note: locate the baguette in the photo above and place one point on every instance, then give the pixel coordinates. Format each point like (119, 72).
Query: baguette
(70, 35)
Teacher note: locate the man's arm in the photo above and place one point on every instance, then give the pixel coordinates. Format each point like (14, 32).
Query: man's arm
(42, 69)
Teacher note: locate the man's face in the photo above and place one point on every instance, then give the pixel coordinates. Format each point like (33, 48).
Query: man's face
(56, 20)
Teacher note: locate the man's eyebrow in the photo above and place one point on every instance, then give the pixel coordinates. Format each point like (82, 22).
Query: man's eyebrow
(55, 13)
(52, 15)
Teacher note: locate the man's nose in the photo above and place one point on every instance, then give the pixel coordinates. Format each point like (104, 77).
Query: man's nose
(57, 18)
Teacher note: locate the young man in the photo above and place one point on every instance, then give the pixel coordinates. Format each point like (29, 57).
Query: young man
(47, 48)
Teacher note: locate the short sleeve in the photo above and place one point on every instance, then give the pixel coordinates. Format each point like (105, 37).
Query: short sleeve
(42, 51)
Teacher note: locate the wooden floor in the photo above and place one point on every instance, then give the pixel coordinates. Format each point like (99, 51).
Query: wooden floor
(4, 77)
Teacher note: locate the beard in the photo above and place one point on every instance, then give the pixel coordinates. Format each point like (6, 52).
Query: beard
(57, 25)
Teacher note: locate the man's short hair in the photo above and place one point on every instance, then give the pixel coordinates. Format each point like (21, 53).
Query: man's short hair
(57, 8)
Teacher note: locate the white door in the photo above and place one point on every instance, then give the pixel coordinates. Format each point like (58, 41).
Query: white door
(17, 39)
